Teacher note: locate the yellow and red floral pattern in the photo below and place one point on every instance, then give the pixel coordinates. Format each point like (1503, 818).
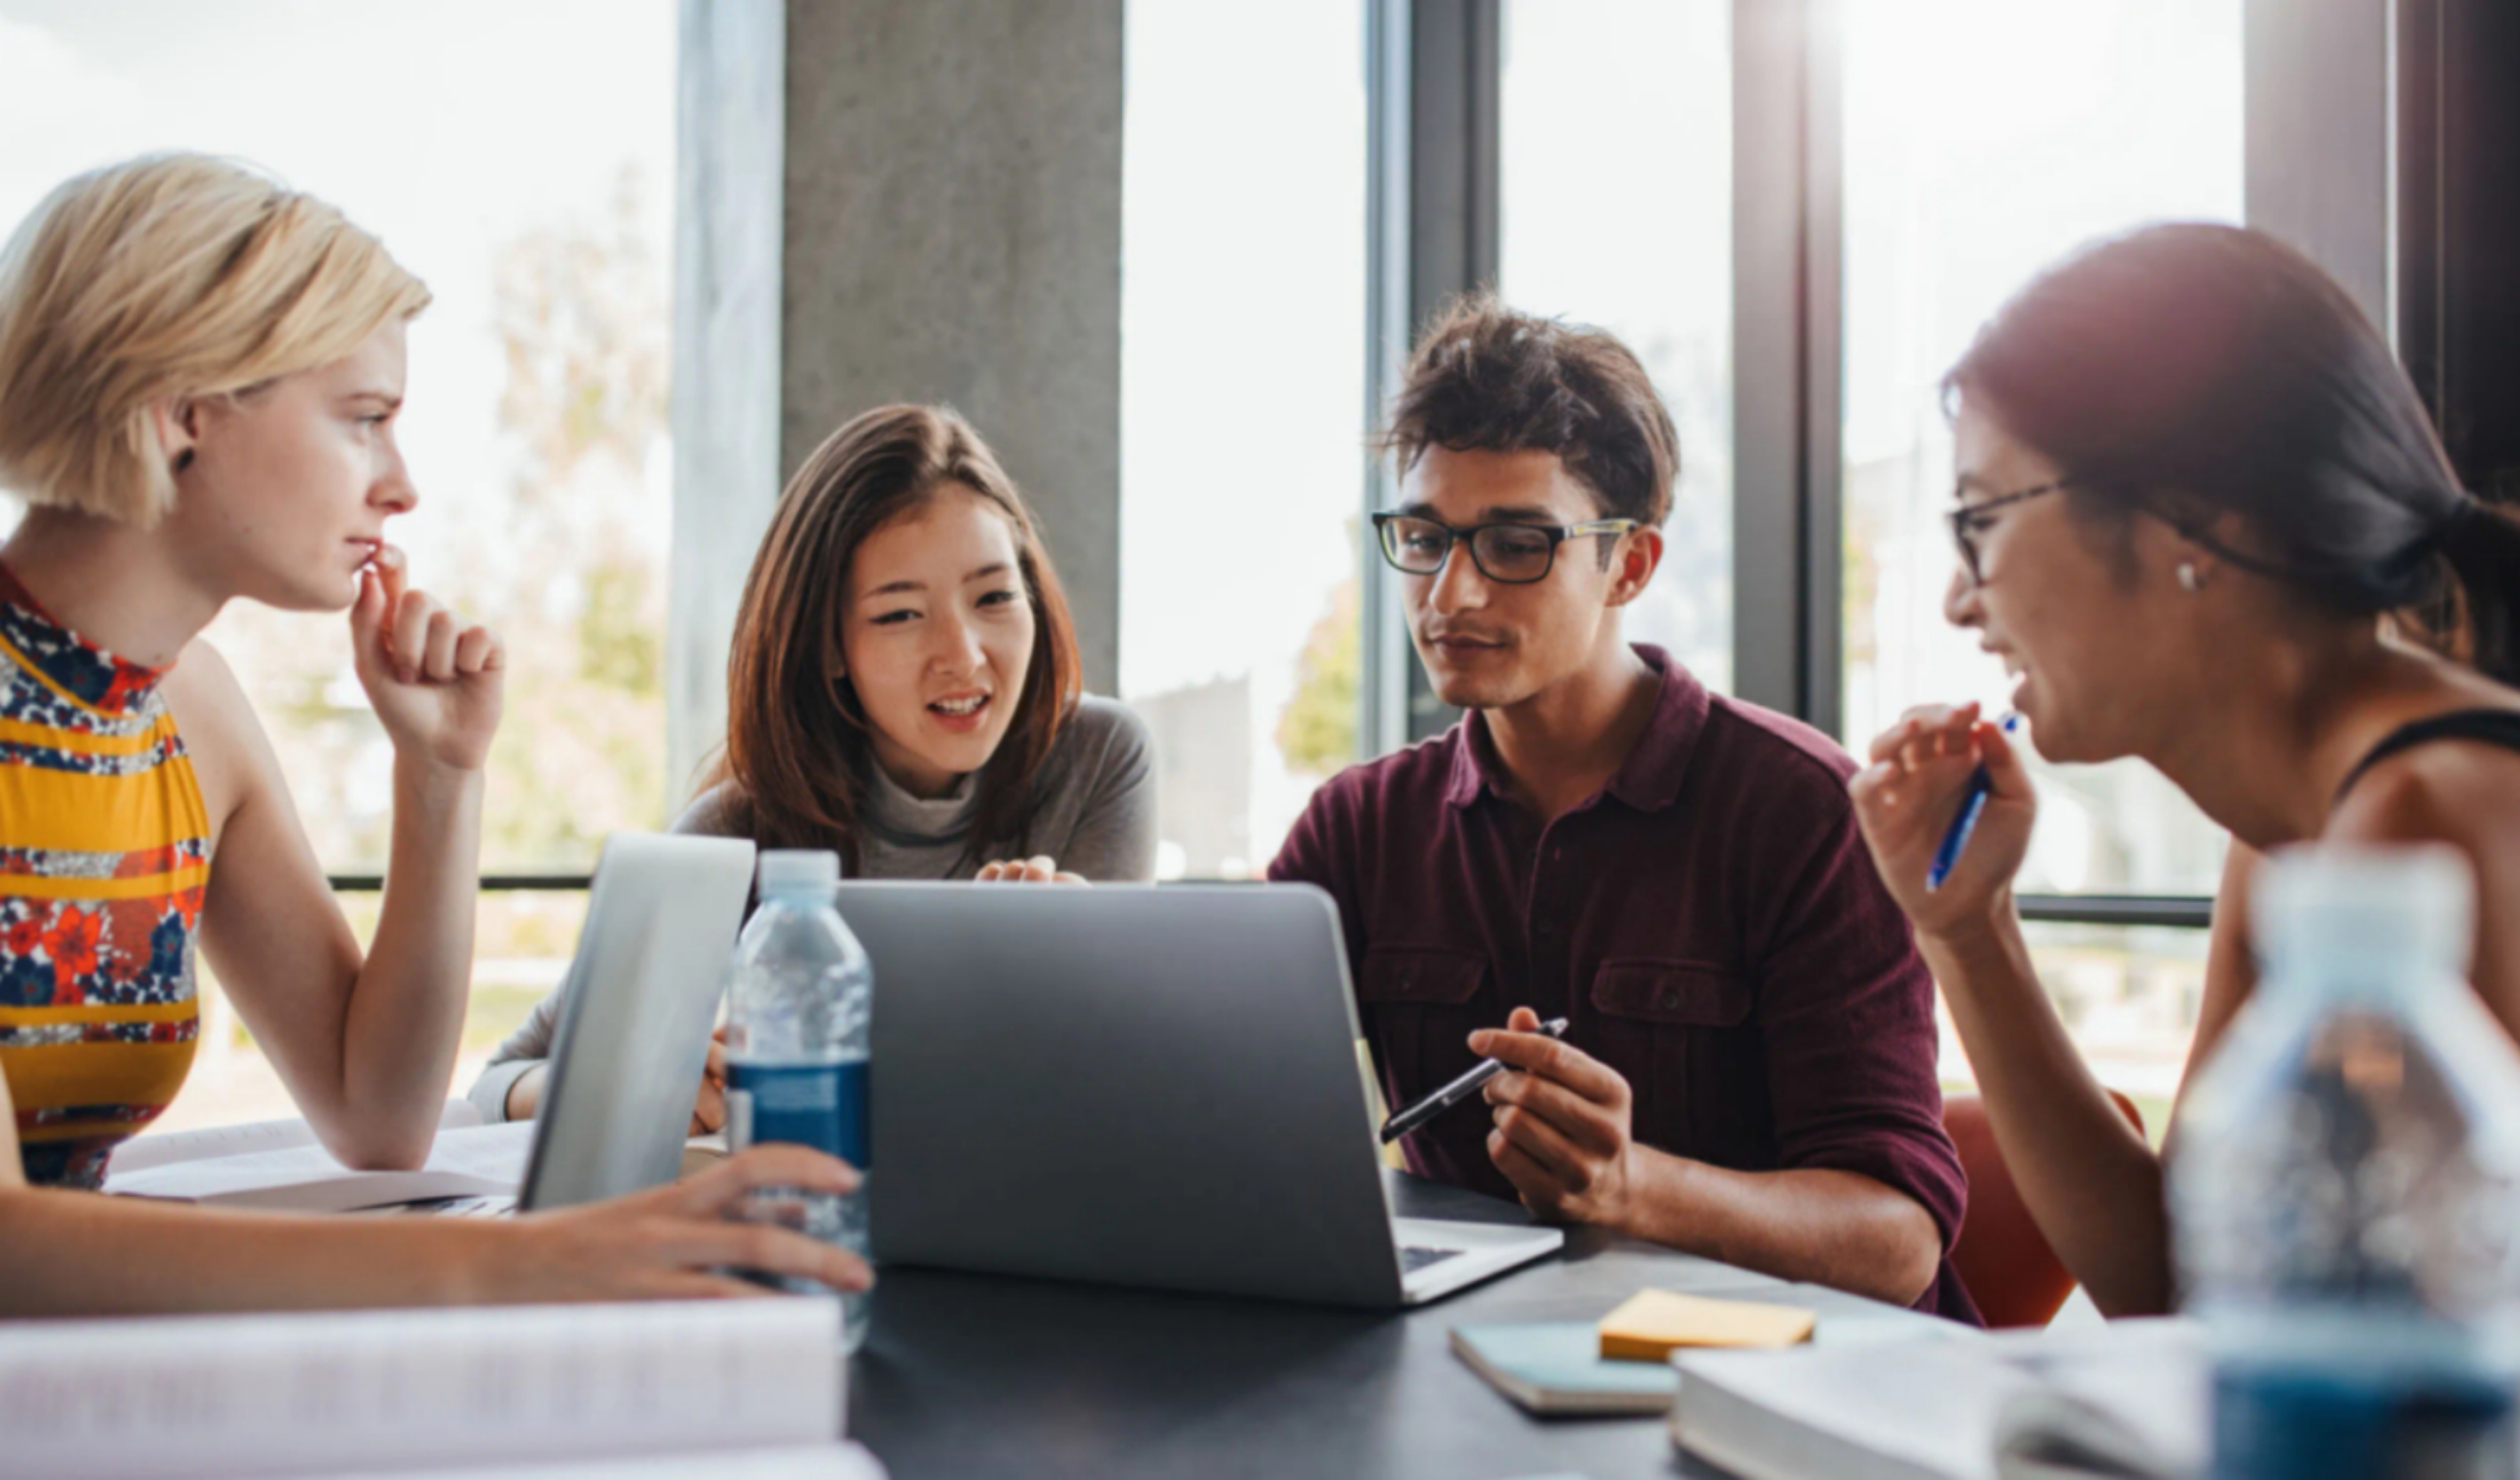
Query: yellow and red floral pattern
(104, 849)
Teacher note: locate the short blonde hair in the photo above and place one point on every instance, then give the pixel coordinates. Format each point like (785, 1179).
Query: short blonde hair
(168, 277)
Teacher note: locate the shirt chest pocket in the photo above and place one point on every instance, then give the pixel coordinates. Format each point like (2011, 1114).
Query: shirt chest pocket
(1672, 994)
(1683, 1035)
(1428, 975)
(1421, 1004)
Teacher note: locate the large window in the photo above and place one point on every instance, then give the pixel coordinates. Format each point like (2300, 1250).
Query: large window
(1982, 140)
(1985, 139)
(520, 159)
(1615, 133)
(1242, 412)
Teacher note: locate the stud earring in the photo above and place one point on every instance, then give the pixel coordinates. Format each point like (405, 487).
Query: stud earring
(2188, 579)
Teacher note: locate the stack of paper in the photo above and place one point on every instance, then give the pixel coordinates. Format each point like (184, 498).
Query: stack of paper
(348, 1392)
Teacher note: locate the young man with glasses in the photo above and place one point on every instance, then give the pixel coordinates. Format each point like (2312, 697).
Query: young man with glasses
(1749, 1071)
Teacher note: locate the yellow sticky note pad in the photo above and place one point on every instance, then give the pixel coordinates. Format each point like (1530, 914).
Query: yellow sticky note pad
(1651, 1322)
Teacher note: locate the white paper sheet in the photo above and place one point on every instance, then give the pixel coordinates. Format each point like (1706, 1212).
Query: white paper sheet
(352, 1393)
(478, 1161)
(1937, 1410)
(840, 1461)
(165, 1147)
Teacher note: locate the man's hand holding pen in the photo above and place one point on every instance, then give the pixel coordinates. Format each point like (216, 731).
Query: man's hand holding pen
(1563, 1121)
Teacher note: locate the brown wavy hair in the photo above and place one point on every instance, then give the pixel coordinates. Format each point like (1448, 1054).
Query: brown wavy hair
(798, 748)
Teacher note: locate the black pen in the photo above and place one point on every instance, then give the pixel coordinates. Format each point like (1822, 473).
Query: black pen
(1455, 1092)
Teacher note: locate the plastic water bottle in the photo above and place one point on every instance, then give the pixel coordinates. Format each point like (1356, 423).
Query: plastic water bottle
(2346, 1184)
(797, 1047)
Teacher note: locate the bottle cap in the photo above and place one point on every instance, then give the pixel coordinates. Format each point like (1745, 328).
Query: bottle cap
(799, 871)
(2364, 916)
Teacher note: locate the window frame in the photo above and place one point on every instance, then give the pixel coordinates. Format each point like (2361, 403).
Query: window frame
(1434, 84)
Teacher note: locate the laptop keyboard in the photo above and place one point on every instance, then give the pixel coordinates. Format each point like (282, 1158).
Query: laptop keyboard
(1413, 1257)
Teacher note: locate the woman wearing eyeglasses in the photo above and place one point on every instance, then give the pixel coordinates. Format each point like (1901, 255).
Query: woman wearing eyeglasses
(2202, 515)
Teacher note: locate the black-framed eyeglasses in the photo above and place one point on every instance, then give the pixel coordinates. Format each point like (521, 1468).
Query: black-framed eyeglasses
(1510, 553)
(1968, 520)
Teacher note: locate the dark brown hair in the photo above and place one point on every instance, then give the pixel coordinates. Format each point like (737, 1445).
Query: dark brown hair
(1486, 379)
(798, 742)
(2193, 370)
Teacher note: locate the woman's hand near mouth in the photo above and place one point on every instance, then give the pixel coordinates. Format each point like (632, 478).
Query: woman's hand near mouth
(1905, 801)
(433, 677)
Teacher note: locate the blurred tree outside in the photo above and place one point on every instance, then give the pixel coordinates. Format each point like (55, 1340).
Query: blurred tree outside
(575, 589)
(1317, 730)
(565, 562)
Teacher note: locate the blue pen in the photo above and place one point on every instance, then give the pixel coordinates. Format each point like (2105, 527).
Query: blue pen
(1972, 801)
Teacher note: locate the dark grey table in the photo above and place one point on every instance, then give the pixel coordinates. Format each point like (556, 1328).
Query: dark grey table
(971, 1375)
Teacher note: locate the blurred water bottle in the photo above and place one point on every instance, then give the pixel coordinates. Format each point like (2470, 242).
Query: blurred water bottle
(796, 1023)
(2343, 1184)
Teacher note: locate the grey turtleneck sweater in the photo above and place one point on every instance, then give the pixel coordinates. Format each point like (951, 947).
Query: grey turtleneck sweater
(1093, 813)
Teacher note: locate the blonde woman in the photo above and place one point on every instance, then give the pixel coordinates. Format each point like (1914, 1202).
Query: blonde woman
(200, 372)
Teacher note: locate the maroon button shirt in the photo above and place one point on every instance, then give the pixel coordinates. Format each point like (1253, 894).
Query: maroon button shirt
(1710, 923)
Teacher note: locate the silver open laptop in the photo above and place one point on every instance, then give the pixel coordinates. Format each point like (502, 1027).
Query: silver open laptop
(635, 1013)
(1142, 1087)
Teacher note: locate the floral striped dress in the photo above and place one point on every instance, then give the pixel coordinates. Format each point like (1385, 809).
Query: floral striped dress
(104, 849)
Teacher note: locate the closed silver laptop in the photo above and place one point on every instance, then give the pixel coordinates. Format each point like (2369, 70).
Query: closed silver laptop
(1137, 1086)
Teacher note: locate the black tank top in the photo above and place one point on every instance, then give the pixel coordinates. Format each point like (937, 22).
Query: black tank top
(2494, 727)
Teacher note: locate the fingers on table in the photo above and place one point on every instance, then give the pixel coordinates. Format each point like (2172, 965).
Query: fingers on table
(1039, 868)
(777, 1164)
(711, 1244)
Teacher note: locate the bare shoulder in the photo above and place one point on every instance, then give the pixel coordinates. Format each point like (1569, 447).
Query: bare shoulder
(230, 755)
(2460, 792)
(201, 678)
(2230, 953)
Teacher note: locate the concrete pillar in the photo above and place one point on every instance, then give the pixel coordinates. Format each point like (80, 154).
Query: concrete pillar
(954, 234)
(730, 139)
(948, 183)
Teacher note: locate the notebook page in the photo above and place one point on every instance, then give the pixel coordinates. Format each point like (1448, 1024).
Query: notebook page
(412, 1389)
(487, 1160)
(832, 1461)
(163, 1147)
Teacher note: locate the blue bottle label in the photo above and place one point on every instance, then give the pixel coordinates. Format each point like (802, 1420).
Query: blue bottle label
(2305, 1423)
(822, 1105)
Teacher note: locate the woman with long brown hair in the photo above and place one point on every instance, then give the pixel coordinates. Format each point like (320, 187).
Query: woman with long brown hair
(903, 689)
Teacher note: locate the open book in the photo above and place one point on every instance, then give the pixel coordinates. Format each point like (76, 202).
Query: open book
(402, 1390)
(2127, 1403)
(277, 1166)
(152, 1148)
